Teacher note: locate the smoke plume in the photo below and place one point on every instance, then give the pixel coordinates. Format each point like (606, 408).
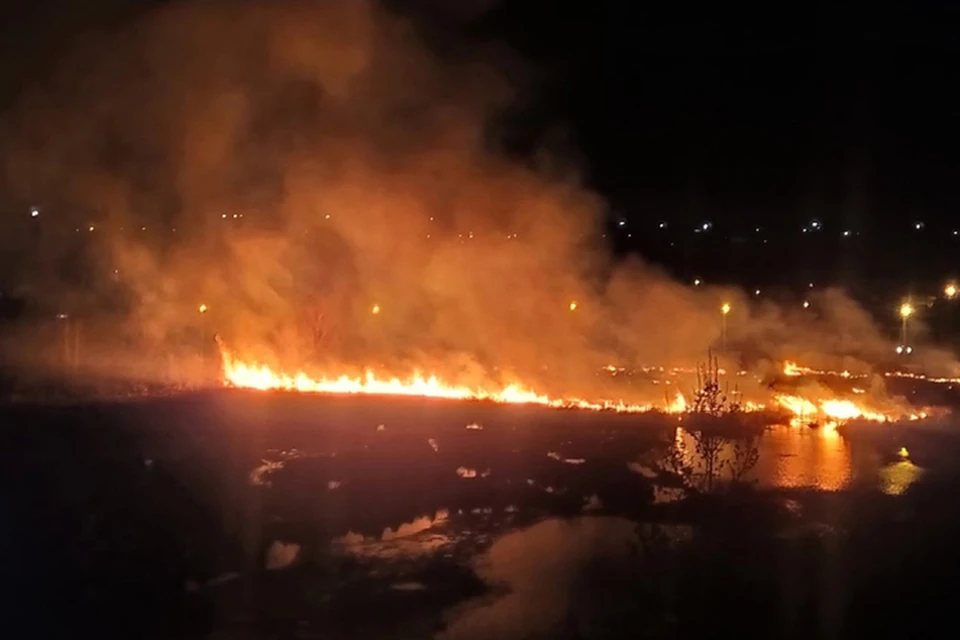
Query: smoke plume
(331, 190)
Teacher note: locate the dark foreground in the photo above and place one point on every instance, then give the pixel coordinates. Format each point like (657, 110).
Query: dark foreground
(243, 515)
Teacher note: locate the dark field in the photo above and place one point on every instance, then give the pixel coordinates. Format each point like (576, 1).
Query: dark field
(235, 515)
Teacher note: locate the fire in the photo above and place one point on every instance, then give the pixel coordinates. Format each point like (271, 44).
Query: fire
(678, 405)
(835, 410)
(248, 375)
(793, 369)
(254, 376)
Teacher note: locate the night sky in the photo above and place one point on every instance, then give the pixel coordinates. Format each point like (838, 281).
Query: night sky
(679, 116)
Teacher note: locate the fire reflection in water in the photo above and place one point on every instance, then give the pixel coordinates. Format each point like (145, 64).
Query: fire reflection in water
(801, 457)
(789, 457)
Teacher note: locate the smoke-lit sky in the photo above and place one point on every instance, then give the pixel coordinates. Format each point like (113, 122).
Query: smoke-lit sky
(442, 166)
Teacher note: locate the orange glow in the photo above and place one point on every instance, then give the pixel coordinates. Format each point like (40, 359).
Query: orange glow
(725, 309)
(573, 306)
(375, 309)
(202, 308)
(950, 291)
(906, 310)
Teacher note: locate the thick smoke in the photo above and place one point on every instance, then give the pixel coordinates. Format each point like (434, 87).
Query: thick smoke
(293, 166)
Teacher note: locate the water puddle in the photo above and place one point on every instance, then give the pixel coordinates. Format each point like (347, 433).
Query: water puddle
(540, 578)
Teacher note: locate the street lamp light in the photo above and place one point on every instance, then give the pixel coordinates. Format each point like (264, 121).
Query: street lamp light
(906, 310)
(724, 312)
(202, 310)
(950, 291)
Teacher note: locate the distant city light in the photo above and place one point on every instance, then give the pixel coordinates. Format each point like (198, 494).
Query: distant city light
(950, 291)
(696, 282)
(202, 308)
(906, 310)
(806, 305)
(810, 285)
(918, 225)
(725, 308)
(573, 306)
(223, 215)
(34, 212)
(375, 309)
(663, 225)
(90, 228)
(757, 292)
(622, 223)
(706, 226)
(846, 233)
(815, 224)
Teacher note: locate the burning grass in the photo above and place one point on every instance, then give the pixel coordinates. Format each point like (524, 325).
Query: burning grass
(710, 398)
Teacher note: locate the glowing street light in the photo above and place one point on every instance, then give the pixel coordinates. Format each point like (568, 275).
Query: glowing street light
(724, 312)
(950, 291)
(696, 282)
(202, 309)
(906, 310)
(375, 309)
(573, 306)
(806, 304)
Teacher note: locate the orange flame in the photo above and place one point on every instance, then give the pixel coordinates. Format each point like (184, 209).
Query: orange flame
(832, 411)
(794, 369)
(254, 376)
